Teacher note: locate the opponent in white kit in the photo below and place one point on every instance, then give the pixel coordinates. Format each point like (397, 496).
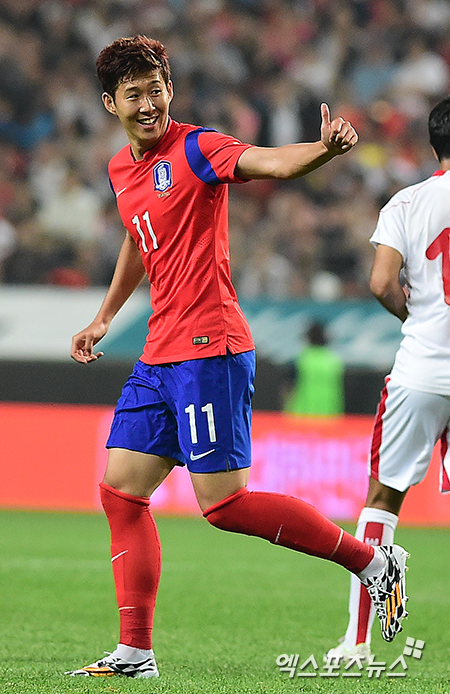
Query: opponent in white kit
(411, 279)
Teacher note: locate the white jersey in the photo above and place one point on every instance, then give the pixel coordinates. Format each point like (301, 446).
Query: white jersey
(416, 223)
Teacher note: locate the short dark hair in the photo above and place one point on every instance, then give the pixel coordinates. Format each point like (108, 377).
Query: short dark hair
(439, 129)
(317, 334)
(131, 57)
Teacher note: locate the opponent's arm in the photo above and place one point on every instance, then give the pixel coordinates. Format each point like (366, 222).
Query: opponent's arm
(384, 281)
(128, 274)
(292, 161)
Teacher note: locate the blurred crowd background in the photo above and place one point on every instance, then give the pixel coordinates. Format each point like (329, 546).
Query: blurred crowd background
(258, 69)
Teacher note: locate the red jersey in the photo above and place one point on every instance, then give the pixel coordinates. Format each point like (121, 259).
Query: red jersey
(174, 204)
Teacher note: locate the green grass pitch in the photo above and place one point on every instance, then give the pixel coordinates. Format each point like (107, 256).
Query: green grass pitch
(228, 606)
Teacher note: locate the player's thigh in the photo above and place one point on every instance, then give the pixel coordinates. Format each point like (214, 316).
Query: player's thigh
(212, 402)
(407, 427)
(143, 421)
(135, 473)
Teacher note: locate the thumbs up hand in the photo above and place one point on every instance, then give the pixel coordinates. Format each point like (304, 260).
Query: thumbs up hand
(338, 135)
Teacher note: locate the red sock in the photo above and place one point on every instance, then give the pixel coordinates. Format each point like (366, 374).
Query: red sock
(136, 561)
(290, 522)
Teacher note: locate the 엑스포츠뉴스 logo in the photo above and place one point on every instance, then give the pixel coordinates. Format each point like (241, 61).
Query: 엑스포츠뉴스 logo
(162, 176)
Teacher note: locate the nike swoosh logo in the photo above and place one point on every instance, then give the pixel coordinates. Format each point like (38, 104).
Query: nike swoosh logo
(119, 555)
(121, 191)
(201, 455)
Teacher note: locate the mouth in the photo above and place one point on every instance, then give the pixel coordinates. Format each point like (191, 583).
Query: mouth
(148, 121)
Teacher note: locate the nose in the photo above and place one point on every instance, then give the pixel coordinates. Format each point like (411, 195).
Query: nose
(147, 103)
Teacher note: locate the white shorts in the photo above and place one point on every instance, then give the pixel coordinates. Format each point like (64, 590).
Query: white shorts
(408, 425)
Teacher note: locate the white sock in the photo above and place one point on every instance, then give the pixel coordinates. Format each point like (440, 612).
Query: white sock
(376, 527)
(374, 566)
(130, 654)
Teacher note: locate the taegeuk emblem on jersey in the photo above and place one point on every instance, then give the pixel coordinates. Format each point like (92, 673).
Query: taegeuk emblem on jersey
(162, 176)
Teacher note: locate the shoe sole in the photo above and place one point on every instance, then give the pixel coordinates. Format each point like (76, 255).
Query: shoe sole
(110, 673)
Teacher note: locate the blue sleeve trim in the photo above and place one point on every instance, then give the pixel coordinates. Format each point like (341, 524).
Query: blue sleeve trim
(196, 159)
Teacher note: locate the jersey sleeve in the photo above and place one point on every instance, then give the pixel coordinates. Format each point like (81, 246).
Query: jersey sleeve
(213, 156)
(391, 230)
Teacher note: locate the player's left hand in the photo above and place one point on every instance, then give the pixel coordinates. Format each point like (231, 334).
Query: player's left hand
(338, 135)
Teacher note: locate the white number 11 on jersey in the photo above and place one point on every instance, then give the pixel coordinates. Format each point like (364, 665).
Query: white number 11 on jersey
(137, 223)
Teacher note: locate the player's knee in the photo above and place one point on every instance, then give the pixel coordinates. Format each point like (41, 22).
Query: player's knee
(225, 515)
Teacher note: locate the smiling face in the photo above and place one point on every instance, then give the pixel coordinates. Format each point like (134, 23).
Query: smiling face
(142, 105)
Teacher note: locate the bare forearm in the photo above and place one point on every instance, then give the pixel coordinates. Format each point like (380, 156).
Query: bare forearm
(127, 276)
(393, 299)
(384, 281)
(288, 162)
(292, 161)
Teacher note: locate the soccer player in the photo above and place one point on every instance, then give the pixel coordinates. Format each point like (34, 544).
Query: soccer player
(188, 399)
(411, 279)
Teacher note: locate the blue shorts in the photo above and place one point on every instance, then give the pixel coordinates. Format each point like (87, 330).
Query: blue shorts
(197, 412)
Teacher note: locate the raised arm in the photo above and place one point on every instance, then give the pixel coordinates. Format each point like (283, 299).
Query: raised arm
(292, 161)
(384, 281)
(128, 274)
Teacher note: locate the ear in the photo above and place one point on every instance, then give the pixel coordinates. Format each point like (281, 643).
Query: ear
(170, 89)
(108, 103)
(435, 153)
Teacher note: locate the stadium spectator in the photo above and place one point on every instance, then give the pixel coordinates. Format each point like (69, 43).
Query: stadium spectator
(318, 387)
(73, 213)
(267, 58)
(8, 240)
(412, 247)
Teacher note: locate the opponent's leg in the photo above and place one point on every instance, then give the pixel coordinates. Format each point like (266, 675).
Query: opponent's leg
(406, 428)
(376, 526)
